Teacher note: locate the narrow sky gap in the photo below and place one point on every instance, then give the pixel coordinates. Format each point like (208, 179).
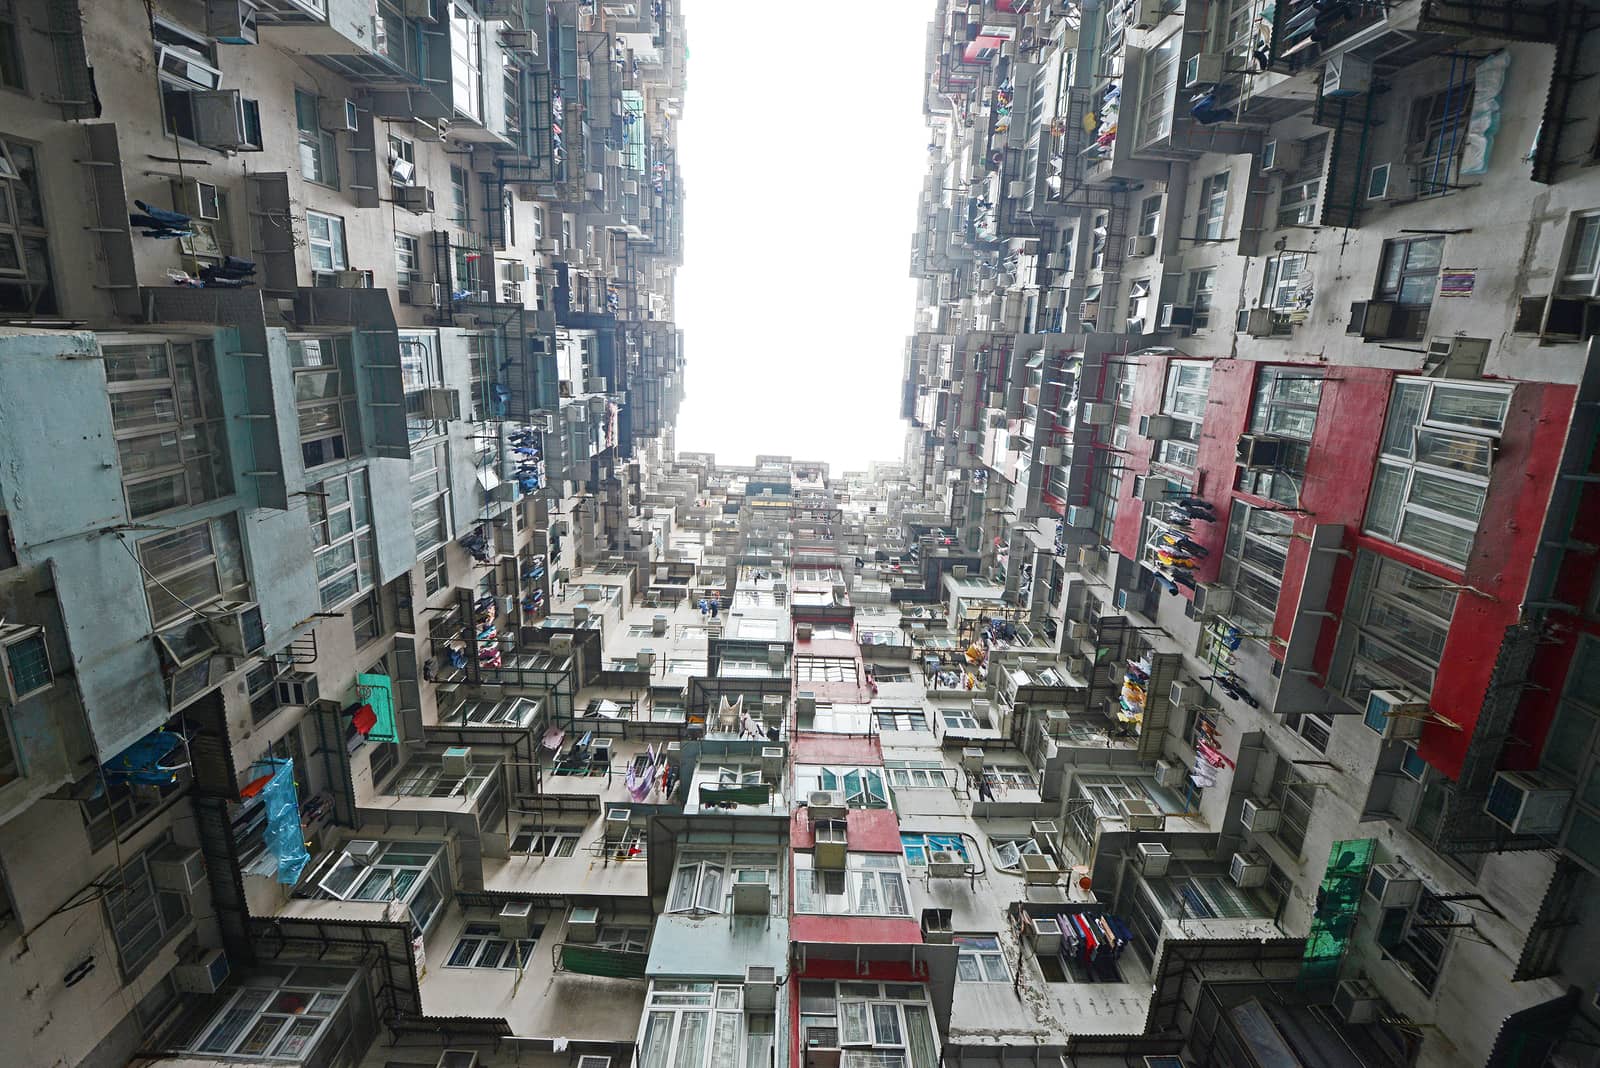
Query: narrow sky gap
(802, 156)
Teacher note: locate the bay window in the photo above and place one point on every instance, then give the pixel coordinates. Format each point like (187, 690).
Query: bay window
(341, 530)
(413, 873)
(699, 1024)
(703, 879)
(1396, 619)
(192, 566)
(863, 787)
(888, 1025)
(1439, 443)
(288, 1014)
(871, 884)
(167, 417)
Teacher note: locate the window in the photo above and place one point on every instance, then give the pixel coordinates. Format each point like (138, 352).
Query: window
(919, 848)
(881, 1026)
(366, 619)
(1409, 275)
(425, 776)
(261, 685)
(481, 945)
(11, 70)
(284, 1014)
(325, 399)
(1008, 852)
(896, 718)
(1439, 442)
(839, 718)
(460, 200)
(1097, 259)
(405, 259)
(435, 571)
(623, 939)
(917, 774)
(960, 719)
(1202, 283)
(862, 787)
(1293, 797)
(341, 530)
(1392, 637)
(1150, 216)
(1008, 776)
(141, 918)
(466, 61)
(27, 664)
(871, 885)
(1297, 201)
(410, 872)
(402, 160)
(1188, 386)
(1580, 267)
(1161, 64)
(1280, 282)
(703, 880)
(1436, 138)
(1418, 938)
(25, 281)
(547, 842)
(980, 960)
(1285, 406)
(1213, 207)
(319, 151)
(166, 415)
(118, 811)
(325, 238)
(825, 669)
(1256, 553)
(702, 1025)
(189, 568)
(430, 490)
(683, 665)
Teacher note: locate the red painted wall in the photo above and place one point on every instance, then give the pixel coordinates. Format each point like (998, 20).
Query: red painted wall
(871, 830)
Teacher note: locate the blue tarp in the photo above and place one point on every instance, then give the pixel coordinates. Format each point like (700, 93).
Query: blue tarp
(284, 836)
(142, 762)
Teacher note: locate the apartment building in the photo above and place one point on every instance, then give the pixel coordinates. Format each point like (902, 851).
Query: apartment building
(1252, 362)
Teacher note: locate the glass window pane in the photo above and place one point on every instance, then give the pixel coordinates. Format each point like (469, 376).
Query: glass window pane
(1476, 408)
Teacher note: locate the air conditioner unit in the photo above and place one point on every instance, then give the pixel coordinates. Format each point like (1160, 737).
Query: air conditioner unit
(516, 919)
(237, 628)
(1050, 456)
(1402, 715)
(1255, 451)
(751, 894)
(520, 41)
(441, 404)
(423, 294)
(1357, 1001)
(456, 761)
(204, 973)
(1372, 319)
(219, 118)
(1205, 68)
(350, 279)
(1247, 870)
(516, 271)
(826, 805)
(1280, 157)
(760, 987)
(298, 688)
(179, 870)
(946, 864)
(1346, 75)
(561, 643)
(1213, 598)
(1154, 859)
(1390, 181)
(1039, 870)
(937, 928)
(771, 762)
(414, 198)
(1393, 886)
(599, 384)
(1175, 317)
(1258, 322)
(1096, 414)
(1169, 774)
(337, 114)
(1045, 834)
(1156, 427)
(1457, 357)
(830, 846)
(1080, 516)
(362, 850)
(418, 9)
(468, 1058)
(1526, 805)
(972, 759)
(1057, 723)
(594, 182)
(200, 200)
(1045, 934)
(1078, 632)
(1146, 14)
(805, 703)
(583, 923)
(1078, 665)
(1141, 815)
(618, 820)
(1258, 818)
(802, 632)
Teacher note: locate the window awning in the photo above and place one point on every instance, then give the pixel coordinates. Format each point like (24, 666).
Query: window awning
(1036, 360)
(488, 479)
(1091, 294)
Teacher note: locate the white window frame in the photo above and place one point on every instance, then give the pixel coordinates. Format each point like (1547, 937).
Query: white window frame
(872, 884)
(245, 1011)
(1212, 217)
(327, 249)
(982, 956)
(483, 945)
(1580, 258)
(703, 879)
(195, 423)
(362, 550)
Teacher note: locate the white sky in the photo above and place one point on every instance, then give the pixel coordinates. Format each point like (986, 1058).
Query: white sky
(802, 152)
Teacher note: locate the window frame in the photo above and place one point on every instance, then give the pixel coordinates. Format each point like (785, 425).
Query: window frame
(318, 148)
(25, 228)
(197, 415)
(134, 905)
(1580, 280)
(985, 956)
(337, 254)
(1212, 215)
